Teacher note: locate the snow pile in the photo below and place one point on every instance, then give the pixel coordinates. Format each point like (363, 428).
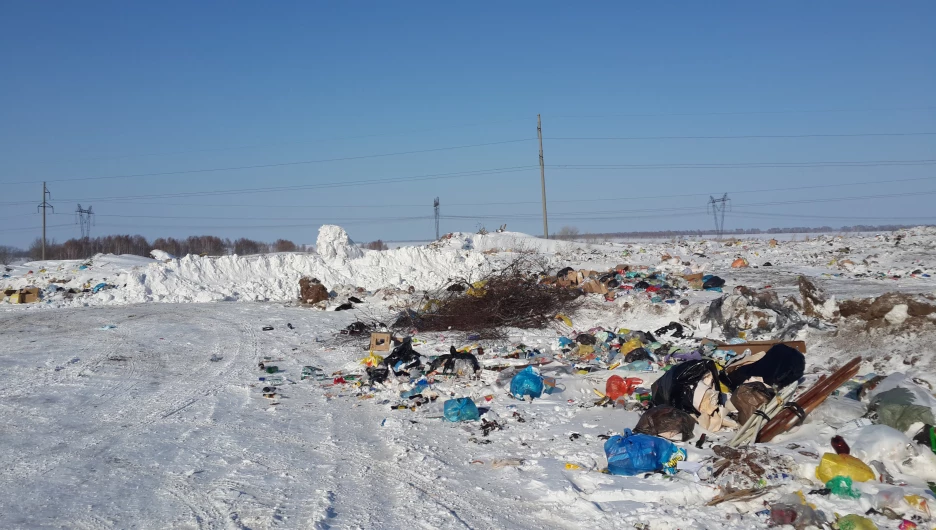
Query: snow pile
(333, 243)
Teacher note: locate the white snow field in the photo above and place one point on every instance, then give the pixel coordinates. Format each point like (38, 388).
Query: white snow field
(118, 412)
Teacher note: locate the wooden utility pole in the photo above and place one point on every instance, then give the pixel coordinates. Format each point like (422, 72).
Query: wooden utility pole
(45, 204)
(539, 133)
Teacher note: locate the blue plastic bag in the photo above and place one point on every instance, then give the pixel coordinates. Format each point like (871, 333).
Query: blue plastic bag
(460, 409)
(528, 382)
(632, 454)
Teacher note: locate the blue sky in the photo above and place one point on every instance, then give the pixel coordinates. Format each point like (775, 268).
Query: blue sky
(109, 89)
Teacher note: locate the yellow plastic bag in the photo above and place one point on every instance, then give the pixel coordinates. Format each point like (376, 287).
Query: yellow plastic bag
(630, 346)
(477, 289)
(856, 522)
(833, 465)
(566, 320)
(372, 360)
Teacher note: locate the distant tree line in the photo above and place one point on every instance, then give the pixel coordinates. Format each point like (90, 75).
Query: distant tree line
(140, 246)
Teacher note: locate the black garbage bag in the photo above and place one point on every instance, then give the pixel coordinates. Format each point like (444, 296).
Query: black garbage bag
(778, 367)
(378, 374)
(714, 281)
(455, 363)
(645, 336)
(355, 328)
(403, 358)
(355, 300)
(666, 422)
(344, 307)
(673, 327)
(637, 354)
(642, 284)
(564, 272)
(677, 386)
(585, 338)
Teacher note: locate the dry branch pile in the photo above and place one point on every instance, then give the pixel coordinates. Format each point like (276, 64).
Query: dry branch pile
(509, 298)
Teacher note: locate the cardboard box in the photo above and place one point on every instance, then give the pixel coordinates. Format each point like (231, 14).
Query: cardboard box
(27, 295)
(594, 287)
(758, 346)
(380, 342)
(693, 277)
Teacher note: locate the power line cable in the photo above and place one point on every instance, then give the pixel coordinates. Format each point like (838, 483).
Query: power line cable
(743, 136)
(301, 187)
(277, 164)
(739, 113)
(491, 171)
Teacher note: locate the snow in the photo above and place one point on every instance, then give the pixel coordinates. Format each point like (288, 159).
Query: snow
(333, 243)
(122, 412)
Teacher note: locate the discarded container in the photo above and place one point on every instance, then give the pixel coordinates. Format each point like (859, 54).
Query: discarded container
(840, 446)
(528, 382)
(834, 465)
(461, 409)
(632, 454)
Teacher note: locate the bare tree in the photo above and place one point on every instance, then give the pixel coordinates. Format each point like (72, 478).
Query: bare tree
(567, 232)
(284, 245)
(377, 245)
(7, 254)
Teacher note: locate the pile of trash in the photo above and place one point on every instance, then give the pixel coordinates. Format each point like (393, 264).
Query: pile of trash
(726, 415)
(623, 280)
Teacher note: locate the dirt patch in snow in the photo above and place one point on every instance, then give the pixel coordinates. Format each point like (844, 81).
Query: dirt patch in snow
(885, 311)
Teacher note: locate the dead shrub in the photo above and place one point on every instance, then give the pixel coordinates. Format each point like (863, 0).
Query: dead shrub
(512, 297)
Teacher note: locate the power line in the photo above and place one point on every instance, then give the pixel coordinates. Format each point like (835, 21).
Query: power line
(742, 113)
(315, 140)
(307, 187)
(744, 165)
(33, 228)
(735, 137)
(506, 120)
(277, 164)
(747, 165)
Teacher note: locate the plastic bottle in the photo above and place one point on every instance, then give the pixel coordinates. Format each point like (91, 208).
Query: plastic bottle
(838, 443)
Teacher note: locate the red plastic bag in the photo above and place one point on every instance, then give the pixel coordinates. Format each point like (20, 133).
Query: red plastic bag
(617, 386)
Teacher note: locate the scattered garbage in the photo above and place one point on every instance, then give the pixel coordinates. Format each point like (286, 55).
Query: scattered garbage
(666, 422)
(461, 409)
(527, 382)
(835, 465)
(632, 454)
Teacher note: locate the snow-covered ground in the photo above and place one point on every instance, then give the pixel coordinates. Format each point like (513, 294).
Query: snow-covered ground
(122, 413)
